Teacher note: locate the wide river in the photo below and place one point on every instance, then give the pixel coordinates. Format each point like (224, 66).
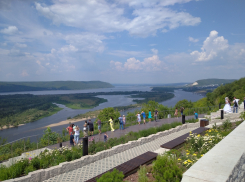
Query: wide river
(37, 127)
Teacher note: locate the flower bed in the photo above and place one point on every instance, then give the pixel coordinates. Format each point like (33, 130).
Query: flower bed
(171, 165)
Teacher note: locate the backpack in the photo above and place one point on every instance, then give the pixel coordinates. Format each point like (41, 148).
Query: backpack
(235, 104)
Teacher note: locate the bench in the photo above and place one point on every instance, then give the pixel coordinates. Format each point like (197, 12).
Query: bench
(132, 165)
(178, 141)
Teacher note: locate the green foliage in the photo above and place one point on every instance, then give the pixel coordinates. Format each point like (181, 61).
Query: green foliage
(142, 174)
(114, 176)
(213, 81)
(166, 168)
(29, 169)
(184, 103)
(226, 125)
(242, 116)
(107, 113)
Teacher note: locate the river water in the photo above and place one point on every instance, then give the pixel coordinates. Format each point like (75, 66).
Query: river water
(37, 127)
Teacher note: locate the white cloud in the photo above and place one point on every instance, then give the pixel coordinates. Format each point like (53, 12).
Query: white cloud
(68, 48)
(212, 46)
(132, 64)
(122, 53)
(24, 73)
(102, 16)
(10, 30)
(191, 39)
(155, 51)
(20, 45)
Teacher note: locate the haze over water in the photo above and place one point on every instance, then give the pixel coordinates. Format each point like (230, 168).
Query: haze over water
(35, 128)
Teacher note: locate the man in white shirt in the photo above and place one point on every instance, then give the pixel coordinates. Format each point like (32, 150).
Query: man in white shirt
(235, 106)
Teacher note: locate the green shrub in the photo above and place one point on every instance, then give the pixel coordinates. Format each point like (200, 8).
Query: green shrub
(242, 116)
(35, 162)
(166, 168)
(114, 176)
(142, 174)
(226, 125)
(29, 169)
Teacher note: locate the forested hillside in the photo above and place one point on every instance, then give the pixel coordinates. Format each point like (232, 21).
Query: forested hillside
(213, 81)
(52, 85)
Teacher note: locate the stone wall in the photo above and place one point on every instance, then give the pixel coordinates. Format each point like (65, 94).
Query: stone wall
(44, 174)
(238, 173)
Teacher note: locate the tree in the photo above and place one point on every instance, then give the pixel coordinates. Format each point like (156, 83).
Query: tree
(107, 113)
(184, 103)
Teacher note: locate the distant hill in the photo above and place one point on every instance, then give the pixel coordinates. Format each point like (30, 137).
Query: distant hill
(52, 85)
(212, 81)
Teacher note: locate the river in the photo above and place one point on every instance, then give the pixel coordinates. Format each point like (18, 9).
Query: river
(37, 127)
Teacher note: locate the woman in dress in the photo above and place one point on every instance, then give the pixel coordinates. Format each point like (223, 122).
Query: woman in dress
(227, 108)
(176, 112)
(138, 118)
(149, 116)
(124, 121)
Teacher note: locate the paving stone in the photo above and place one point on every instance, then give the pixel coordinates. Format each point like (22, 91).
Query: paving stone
(100, 166)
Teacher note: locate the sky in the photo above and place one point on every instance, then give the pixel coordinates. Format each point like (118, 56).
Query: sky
(122, 41)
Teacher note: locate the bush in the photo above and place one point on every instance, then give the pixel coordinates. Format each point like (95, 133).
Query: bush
(114, 176)
(142, 174)
(166, 168)
(35, 162)
(29, 169)
(226, 125)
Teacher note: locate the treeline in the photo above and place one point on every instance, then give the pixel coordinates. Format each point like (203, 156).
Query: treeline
(52, 85)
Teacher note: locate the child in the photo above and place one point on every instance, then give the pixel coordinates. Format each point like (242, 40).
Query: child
(72, 141)
(105, 137)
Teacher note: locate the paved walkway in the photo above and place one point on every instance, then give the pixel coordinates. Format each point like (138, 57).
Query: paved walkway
(134, 128)
(100, 166)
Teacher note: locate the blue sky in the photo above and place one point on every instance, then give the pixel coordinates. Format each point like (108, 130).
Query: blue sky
(122, 41)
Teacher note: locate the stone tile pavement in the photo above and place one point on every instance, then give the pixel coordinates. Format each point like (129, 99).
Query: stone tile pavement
(100, 166)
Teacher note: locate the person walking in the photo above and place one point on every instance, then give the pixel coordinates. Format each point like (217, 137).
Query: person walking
(124, 121)
(77, 134)
(143, 114)
(235, 106)
(120, 122)
(105, 137)
(182, 110)
(99, 126)
(138, 118)
(176, 112)
(149, 115)
(111, 124)
(72, 139)
(91, 127)
(195, 115)
(155, 115)
(85, 129)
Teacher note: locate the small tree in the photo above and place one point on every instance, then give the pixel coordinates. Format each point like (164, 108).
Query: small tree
(107, 113)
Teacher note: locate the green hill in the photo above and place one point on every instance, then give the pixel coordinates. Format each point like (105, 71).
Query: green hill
(52, 85)
(213, 81)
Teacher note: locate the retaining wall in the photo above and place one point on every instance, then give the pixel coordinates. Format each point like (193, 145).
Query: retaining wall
(44, 174)
(223, 163)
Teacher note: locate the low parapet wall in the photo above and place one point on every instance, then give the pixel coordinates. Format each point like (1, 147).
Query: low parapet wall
(223, 163)
(44, 174)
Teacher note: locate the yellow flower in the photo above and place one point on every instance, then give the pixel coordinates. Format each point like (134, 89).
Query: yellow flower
(201, 155)
(198, 135)
(179, 159)
(187, 150)
(185, 162)
(187, 153)
(190, 132)
(195, 154)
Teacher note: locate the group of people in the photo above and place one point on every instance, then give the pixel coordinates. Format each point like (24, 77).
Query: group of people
(144, 116)
(227, 107)
(176, 111)
(74, 132)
